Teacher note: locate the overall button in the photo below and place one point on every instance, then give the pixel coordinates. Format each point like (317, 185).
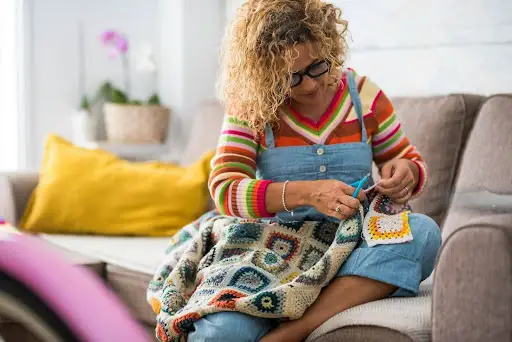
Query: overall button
(322, 168)
(320, 151)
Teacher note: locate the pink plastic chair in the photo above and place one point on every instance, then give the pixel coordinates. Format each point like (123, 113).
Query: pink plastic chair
(59, 301)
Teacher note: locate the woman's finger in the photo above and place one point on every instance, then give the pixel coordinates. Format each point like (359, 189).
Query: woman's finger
(404, 199)
(350, 202)
(395, 180)
(401, 194)
(342, 211)
(405, 194)
(396, 191)
(348, 190)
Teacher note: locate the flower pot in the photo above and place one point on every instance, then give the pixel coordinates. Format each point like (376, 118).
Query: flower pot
(136, 123)
(84, 126)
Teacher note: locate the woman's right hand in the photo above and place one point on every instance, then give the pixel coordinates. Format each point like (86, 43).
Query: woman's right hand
(327, 195)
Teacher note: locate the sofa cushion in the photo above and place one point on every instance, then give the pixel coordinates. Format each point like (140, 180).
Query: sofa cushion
(140, 254)
(439, 127)
(405, 319)
(484, 181)
(131, 287)
(364, 333)
(130, 264)
(91, 263)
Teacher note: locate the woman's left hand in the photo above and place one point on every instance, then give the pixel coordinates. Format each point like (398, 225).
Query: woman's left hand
(398, 179)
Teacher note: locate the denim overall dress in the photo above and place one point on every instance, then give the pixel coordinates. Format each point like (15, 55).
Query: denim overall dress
(404, 265)
(347, 162)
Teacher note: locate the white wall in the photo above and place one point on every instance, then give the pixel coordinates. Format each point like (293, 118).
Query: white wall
(191, 32)
(430, 47)
(185, 33)
(54, 62)
(9, 61)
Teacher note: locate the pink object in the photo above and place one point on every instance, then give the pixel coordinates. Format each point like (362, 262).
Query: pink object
(80, 299)
(116, 43)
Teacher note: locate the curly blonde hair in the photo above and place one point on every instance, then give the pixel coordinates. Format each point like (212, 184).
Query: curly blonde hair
(257, 53)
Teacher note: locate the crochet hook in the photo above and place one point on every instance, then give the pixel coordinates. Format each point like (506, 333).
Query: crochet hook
(360, 185)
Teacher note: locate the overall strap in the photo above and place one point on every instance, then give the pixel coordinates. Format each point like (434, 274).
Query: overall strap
(269, 137)
(356, 102)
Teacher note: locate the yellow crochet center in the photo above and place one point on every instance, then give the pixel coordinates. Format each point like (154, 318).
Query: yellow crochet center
(378, 234)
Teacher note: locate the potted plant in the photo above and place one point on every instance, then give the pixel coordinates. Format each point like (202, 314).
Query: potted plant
(130, 120)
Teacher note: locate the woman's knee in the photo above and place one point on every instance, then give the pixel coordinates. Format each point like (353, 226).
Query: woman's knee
(230, 326)
(427, 233)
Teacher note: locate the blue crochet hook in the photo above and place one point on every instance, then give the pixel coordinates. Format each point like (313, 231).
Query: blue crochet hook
(359, 185)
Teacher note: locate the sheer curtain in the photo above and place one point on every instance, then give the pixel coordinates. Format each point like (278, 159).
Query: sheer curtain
(10, 76)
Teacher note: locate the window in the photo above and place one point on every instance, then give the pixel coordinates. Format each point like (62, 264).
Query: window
(10, 72)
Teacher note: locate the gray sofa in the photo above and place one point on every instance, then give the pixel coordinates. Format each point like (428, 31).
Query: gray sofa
(466, 141)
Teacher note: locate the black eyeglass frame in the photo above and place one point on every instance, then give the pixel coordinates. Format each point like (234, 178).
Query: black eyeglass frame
(313, 65)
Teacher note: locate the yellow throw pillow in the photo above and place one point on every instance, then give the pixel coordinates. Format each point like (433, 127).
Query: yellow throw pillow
(83, 191)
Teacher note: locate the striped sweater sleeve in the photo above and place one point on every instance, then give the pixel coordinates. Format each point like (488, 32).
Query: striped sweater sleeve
(389, 141)
(232, 181)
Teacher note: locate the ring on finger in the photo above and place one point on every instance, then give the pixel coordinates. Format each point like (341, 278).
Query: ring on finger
(337, 209)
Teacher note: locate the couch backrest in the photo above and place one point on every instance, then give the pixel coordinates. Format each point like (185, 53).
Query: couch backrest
(206, 128)
(486, 164)
(439, 127)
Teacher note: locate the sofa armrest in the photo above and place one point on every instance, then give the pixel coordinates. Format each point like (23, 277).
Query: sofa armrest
(472, 295)
(15, 190)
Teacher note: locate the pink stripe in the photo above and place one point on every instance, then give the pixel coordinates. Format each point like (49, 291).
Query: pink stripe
(388, 136)
(421, 178)
(375, 100)
(262, 190)
(234, 132)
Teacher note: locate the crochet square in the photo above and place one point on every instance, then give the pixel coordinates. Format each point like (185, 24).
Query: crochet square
(284, 245)
(386, 223)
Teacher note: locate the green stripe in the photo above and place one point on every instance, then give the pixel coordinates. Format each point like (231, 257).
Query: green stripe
(244, 141)
(248, 199)
(337, 113)
(306, 128)
(248, 170)
(389, 142)
(240, 122)
(222, 196)
(387, 123)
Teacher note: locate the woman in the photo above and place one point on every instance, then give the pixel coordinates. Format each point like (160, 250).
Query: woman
(300, 130)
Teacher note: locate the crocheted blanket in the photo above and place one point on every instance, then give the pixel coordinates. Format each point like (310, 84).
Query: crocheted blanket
(260, 267)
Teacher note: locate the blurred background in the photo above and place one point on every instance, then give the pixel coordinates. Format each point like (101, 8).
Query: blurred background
(55, 53)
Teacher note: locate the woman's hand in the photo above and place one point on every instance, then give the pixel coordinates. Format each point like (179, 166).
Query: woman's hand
(328, 195)
(398, 179)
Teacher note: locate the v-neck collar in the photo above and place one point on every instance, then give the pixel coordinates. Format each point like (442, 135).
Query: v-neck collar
(318, 132)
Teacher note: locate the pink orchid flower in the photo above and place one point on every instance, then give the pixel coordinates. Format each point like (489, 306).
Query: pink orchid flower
(116, 43)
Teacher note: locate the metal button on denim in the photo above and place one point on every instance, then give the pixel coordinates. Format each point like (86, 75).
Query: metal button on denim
(322, 168)
(320, 151)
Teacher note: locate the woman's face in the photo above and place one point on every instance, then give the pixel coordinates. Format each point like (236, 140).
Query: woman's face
(310, 73)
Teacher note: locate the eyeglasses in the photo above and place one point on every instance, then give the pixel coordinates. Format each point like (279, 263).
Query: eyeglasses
(314, 70)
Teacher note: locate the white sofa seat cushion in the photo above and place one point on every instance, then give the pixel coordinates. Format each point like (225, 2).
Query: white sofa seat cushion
(140, 254)
(410, 316)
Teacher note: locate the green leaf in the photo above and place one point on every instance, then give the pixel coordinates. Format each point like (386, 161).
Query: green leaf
(104, 92)
(154, 100)
(84, 103)
(118, 97)
(136, 102)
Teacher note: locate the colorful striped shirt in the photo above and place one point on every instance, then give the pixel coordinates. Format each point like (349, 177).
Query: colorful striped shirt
(232, 181)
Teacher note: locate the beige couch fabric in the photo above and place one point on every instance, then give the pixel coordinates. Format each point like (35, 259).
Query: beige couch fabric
(438, 126)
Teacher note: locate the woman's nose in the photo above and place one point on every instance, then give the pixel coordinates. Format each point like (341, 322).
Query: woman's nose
(308, 83)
